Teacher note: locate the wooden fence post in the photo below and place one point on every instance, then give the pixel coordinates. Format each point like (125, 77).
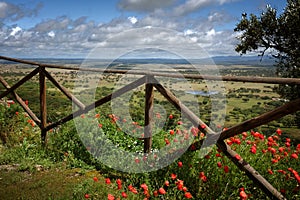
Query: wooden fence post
(149, 97)
(43, 105)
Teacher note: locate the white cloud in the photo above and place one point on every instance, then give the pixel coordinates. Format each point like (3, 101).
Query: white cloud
(191, 6)
(210, 33)
(144, 5)
(189, 32)
(51, 34)
(13, 12)
(133, 20)
(66, 37)
(15, 30)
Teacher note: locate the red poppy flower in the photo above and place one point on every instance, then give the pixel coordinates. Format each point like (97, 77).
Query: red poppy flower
(243, 195)
(173, 176)
(132, 189)
(171, 132)
(238, 157)
(107, 181)
(136, 160)
(226, 169)
(144, 186)
(167, 183)
(86, 196)
(188, 195)
(219, 164)
(167, 141)
(95, 179)
(162, 191)
(124, 195)
(170, 116)
(110, 197)
(180, 164)
(278, 131)
(294, 156)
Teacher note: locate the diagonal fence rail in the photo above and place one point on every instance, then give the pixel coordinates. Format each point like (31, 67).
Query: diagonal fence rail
(151, 82)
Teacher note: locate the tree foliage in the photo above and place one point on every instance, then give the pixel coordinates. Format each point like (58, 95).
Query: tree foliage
(278, 34)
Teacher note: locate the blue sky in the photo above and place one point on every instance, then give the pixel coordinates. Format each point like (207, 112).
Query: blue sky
(74, 28)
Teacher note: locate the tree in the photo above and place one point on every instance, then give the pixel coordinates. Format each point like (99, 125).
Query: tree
(277, 34)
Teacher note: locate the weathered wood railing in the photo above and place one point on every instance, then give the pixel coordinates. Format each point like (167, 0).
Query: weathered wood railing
(151, 82)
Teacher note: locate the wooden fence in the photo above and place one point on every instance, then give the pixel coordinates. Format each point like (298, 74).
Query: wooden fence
(150, 83)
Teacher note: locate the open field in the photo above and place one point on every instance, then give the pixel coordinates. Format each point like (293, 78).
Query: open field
(67, 170)
(237, 97)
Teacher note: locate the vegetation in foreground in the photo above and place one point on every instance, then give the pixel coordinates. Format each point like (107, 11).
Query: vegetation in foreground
(66, 170)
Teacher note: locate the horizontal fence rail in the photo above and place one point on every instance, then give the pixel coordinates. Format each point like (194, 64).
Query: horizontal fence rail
(148, 78)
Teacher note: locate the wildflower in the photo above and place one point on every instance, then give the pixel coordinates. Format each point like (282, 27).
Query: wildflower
(82, 116)
(167, 183)
(270, 171)
(287, 144)
(237, 156)
(253, 149)
(184, 189)
(158, 115)
(226, 169)
(173, 176)
(100, 125)
(86, 196)
(179, 184)
(281, 149)
(194, 131)
(137, 160)
(124, 195)
(203, 177)
(297, 177)
(170, 116)
(155, 193)
(203, 126)
(162, 191)
(144, 187)
(219, 164)
(132, 189)
(179, 122)
(167, 141)
(188, 195)
(243, 195)
(272, 150)
(281, 171)
(107, 181)
(278, 131)
(171, 132)
(17, 113)
(180, 164)
(294, 156)
(97, 115)
(229, 142)
(110, 197)
(283, 191)
(218, 155)
(95, 179)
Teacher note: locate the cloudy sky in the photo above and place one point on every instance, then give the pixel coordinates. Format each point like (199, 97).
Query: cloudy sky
(73, 29)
